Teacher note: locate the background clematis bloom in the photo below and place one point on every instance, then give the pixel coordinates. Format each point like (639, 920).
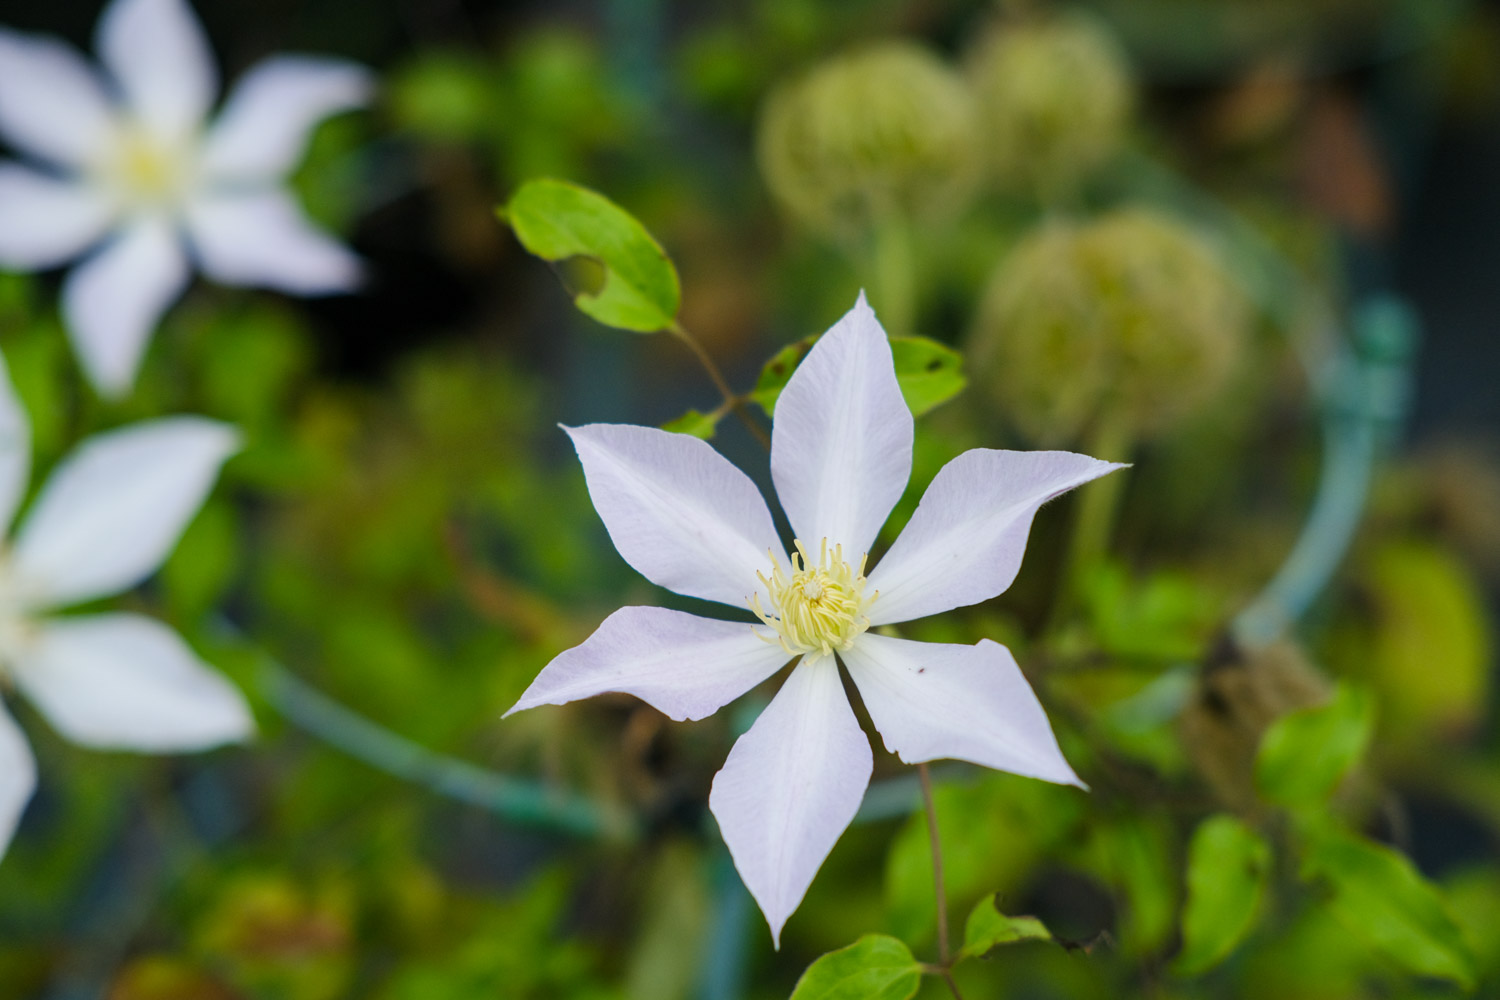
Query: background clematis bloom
(105, 520)
(128, 164)
(841, 453)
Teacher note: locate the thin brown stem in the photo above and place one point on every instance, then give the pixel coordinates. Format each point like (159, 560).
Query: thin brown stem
(952, 986)
(937, 865)
(734, 400)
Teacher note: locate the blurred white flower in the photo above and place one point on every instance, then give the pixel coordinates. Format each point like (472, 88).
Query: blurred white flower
(127, 162)
(841, 452)
(105, 520)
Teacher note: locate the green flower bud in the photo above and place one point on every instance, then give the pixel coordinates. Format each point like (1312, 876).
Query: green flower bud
(1054, 97)
(885, 129)
(1130, 317)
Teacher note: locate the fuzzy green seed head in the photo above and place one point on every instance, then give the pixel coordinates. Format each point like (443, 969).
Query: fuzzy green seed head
(888, 128)
(1055, 97)
(1129, 317)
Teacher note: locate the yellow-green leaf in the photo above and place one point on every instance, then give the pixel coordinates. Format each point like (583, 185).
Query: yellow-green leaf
(696, 423)
(1379, 896)
(928, 372)
(1226, 877)
(558, 221)
(1305, 754)
(875, 967)
(987, 929)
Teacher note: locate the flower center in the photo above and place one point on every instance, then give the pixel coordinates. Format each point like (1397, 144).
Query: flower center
(147, 170)
(821, 607)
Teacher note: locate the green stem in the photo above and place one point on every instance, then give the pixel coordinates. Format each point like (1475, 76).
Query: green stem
(731, 398)
(1098, 505)
(937, 865)
(893, 272)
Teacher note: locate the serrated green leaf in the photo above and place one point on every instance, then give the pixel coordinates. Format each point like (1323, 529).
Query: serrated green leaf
(875, 967)
(698, 424)
(1305, 754)
(1378, 895)
(557, 221)
(1226, 877)
(987, 929)
(928, 372)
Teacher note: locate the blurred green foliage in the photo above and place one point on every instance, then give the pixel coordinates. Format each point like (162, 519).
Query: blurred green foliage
(413, 538)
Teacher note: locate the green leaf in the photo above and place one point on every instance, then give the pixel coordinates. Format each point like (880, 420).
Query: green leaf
(558, 221)
(875, 967)
(1226, 877)
(1305, 754)
(778, 371)
(1379, 896)
(699, 425)
(987, 928)
(928, 372)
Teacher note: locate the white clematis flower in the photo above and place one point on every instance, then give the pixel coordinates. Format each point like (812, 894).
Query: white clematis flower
(129, 164)
(841, 451)
(105, 520)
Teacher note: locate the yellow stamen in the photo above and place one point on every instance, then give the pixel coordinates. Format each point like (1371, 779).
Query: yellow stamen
(819, 608)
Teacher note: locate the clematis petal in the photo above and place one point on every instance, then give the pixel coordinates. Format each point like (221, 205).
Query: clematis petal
(264, 127)
(842, 436)
(678, 511)
(113, 300)
(116, 506)
(15, 450)
(17, 777)
(45, 221)
(684, 666)
(52, 104)
(790, 787)
(127, 682)
(965, 542)
(263, 239)
(157, 53)
(932, 700)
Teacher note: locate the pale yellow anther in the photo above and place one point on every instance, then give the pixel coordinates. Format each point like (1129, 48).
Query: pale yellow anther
(819, 608)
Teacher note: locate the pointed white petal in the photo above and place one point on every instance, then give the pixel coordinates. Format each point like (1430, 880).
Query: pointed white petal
(17, 777)
(159, 56)
(678, 511)
(115, 507)
(842, 436)
(931, 700)
(45, 221)
(965, 542)
(790, 787)
(684, 666)
(52, 105)
(127, 682)
(113, 301)
(15, 450)
(262, 239)
(262, 131)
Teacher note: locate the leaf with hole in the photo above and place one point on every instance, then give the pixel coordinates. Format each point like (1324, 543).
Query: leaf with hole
(559, 221)
(928, 372)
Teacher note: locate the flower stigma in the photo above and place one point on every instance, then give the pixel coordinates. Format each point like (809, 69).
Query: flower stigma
(821, 607)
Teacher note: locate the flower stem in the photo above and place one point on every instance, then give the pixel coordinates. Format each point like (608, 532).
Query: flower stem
(893, 270)
(937, 866)
(1098, 504)
(731, 398)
